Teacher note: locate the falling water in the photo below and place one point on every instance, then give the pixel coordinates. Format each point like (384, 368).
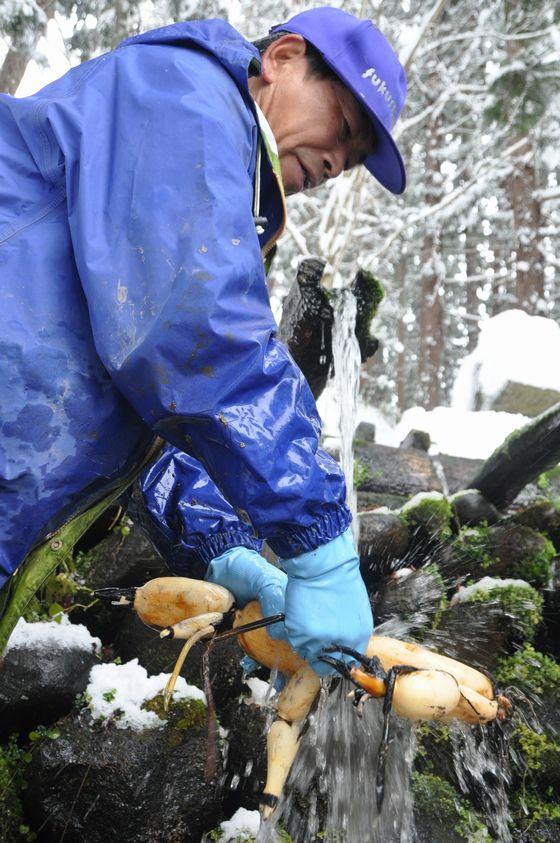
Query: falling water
(330, 793)
(346, 361)
(331, 790)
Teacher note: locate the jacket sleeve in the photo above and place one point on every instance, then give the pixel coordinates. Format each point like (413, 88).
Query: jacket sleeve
(159, 146)
(186, 516)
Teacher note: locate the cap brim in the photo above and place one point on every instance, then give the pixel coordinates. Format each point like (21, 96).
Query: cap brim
(386, 163)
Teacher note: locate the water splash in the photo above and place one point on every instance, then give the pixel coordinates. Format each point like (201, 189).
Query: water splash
(331, 789)
(346, 361)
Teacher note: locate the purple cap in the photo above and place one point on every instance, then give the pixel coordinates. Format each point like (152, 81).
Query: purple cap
(367, 65)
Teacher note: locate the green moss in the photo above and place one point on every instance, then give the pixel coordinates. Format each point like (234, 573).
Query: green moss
(12, 784)
(536, 818)
(362, 473)
(536, 566)
(478, 549)
(539, 752)
(182, 715)
(472, 547)
(546, 480)
(369, 294)
(438, 802)
(431, 513)
(522, 602)
(531, 671)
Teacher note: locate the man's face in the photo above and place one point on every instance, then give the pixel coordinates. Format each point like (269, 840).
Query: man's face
(318, 124)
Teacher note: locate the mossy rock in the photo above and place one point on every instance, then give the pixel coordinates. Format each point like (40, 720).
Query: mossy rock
(98, 782)
(535, 819)
(441, 815)
(542, 515)
(369, 293)
(530, 671)
(539, 754)
(13, 761)
(471, 509)
(505, 550)
(429, 515)
(420, 594)
(519, 601)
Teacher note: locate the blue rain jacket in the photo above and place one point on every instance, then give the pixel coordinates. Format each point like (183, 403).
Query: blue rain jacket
(134, 297)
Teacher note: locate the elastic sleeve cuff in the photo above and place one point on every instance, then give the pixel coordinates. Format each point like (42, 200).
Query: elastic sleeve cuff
(303, 539)
(217, 543)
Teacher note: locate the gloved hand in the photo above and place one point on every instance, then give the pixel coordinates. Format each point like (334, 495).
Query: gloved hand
(250, 577)
(327, 601)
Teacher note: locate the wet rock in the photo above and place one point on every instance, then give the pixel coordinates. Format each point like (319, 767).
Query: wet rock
(428, 516)
(542, 515)
(505, 550)
(548, 636)
(157, 655)
(99, 783)
(396, 471)
(37, 686)
(416, 597)
(369, 293)
(306, 324)
(470, 508)
(458, 471)
(476, 633)
(364, 434)
(124, 560)
(371, 500)
(523, 398)
(384, 538)
(418, 439)
(245, 766)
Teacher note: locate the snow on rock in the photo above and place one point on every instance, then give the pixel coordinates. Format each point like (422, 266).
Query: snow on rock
(418, 498)
(512, 347)
(244, 825)
(459, 433)
(115, 688)
(486, 584)
(57, 634)
(260, 691)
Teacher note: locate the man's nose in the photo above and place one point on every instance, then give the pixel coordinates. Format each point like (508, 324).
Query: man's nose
(334, 161)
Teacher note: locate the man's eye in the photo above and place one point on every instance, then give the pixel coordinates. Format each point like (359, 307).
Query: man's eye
(345, 132)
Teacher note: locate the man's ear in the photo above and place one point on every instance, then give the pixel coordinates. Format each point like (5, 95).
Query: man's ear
(289, 48)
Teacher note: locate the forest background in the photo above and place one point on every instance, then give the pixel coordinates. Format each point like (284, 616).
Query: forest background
(478, 229)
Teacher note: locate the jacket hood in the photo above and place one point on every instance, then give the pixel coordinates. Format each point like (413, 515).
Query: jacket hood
(216, 36)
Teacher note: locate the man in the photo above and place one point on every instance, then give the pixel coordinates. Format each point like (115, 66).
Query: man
(137, 194)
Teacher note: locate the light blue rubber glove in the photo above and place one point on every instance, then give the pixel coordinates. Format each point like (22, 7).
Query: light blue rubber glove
(327, 601)
(250, 577)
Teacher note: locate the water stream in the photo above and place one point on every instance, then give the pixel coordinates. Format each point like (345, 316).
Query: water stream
(347, 360)
(330, 794)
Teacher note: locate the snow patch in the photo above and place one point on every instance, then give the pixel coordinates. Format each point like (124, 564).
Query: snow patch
(52, 635)
(244, 825)
(119, 691)
(418, 498)
(484, 585)
(260, 691)
(512, 346)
